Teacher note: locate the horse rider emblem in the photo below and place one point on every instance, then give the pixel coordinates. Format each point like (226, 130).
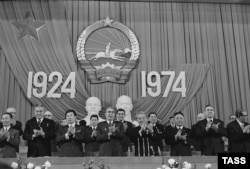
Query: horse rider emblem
(108, 51)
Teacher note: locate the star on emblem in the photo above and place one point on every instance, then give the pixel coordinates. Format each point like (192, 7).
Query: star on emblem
(107, 21)
(29, 26)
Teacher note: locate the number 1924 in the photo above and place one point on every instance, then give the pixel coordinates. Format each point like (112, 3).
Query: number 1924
(38, 84)
(153, 81)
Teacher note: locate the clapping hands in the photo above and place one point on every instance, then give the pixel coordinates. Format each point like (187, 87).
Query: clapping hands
(39, 132)
(4, 134)
(215, 126)
(246, 129)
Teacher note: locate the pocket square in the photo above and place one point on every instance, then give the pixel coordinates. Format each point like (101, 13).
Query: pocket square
(78, 131)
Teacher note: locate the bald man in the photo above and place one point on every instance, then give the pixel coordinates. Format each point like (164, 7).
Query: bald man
(125, 102)
(93, 106)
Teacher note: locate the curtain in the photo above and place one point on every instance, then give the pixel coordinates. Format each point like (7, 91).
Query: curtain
(170, 35)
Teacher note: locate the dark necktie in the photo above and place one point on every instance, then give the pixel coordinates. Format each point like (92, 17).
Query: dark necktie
(39, 122)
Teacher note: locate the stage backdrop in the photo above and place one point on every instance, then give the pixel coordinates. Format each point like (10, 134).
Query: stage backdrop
(210, 42)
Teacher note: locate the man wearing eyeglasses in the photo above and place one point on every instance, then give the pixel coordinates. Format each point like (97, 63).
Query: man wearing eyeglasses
(110, 134)
(239, 133)
(210, 131)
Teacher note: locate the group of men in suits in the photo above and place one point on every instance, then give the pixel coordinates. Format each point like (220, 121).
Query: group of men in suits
(115, 136)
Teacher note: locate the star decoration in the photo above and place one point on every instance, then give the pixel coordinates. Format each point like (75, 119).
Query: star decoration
(107, 21)
(29, 26)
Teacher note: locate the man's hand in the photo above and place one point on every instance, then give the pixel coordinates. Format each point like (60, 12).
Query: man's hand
(94, 133)
(125, 126)
(215, 126)
(209, 124)
(150, 128)
(178, 135)
(246, 129)
(112, 128)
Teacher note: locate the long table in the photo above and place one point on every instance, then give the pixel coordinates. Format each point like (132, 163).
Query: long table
(118, 162)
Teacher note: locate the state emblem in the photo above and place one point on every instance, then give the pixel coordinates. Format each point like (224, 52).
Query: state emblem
(108, 51)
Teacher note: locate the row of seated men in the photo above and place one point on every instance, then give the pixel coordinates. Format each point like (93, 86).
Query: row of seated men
(115, 137)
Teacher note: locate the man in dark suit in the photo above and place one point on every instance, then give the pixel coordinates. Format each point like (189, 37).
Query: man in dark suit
(158, 131)
(70, 137)
(127, 126)
(239, 133)
(168, 129)
(91, 145)
(38, 132)
(210, 131)
(9, 137)
(180, 137)
(110, 134)
(196, 141)
(14, 123)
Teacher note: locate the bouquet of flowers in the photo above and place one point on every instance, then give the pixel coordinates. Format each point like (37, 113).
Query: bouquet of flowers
(21, 165)
(173, 164)
(91, 165)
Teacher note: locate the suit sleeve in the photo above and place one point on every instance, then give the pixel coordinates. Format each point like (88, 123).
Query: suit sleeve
(60, 135)
(233, 135)
(28, 132)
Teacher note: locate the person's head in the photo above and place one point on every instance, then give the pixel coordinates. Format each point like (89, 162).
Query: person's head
(93, 105)
(48, 115)
(70, 116)
(200, 117)
(120, 114)
(209, 111)
(39, 111)
(152, 117)
(241, 115)
(6, 119)
(232, 117)
(63, 122)
(94, 120)
(110, 114)
(12, 111)
(171, 121)
(141, 117)
(179, 118)
(124, 102)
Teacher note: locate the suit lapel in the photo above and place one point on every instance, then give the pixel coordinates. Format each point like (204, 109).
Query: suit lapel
(237, 126)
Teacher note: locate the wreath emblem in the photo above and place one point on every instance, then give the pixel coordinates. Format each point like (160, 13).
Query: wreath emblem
(108, 51)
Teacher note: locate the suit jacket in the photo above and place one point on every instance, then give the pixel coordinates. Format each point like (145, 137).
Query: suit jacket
(91, 144)
(195, 140)
(211, 141)
(180, 147)
(159, 133)
(39, 146)
(9, 147)
(73, 146)
(239, 142)
(168, 130)
(126, 142)
(112, 146)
